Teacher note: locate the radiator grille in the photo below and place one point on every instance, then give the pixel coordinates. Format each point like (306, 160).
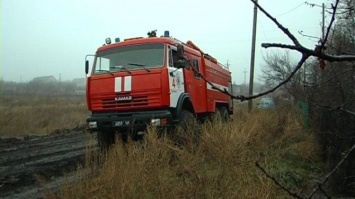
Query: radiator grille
(136, 101)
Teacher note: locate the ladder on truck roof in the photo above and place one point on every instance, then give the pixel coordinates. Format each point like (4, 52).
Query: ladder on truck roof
(205, 55)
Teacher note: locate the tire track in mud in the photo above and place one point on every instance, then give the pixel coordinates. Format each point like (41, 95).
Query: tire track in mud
(48, 156)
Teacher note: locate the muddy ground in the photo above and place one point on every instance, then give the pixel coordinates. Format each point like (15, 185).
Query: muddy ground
(50, 156)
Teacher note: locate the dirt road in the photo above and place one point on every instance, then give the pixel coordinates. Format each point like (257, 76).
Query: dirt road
(48, 156)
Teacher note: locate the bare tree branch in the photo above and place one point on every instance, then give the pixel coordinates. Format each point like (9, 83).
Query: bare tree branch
(225, 91)
(341, 108)
(298, 66)
(280, 26)
(317, 52)
(324, 193)
(346, 110)
(276, 182)
(319, 186)
(325, 81)
(306, 53)
(309, 52)
(334, 7)
(241, 97)
(326, 177)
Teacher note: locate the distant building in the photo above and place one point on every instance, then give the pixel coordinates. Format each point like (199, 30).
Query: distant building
(80, 82)
(8, 87)
(43, 85)
(45, 79)
(80, 85)
(236, 89)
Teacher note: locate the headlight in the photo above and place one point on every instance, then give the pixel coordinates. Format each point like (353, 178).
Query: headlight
(155, 122)
(159, 122)
(93, 124)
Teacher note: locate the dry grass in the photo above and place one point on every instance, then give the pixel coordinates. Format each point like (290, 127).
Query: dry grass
(221, 166)
(38, 115)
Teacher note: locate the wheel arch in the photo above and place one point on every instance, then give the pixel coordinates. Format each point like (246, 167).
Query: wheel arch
(221, 104)
(184, 103)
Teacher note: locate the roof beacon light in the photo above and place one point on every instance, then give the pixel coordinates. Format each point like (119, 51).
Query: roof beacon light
(117, 39)
(166, 33)
(108, 40)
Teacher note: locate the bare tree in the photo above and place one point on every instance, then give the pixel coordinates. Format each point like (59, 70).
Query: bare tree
(277, 67)
(331, 94)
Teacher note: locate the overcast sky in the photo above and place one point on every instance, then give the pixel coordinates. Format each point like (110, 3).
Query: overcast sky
(51, 37)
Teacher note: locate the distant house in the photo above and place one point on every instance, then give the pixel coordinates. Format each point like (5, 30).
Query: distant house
(43, 85)
(236, 89)
(80, 82)
(8, 87)
(80, 85)
(45, 79)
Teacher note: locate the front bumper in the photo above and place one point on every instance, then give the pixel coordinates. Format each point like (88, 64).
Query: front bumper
(129, 121)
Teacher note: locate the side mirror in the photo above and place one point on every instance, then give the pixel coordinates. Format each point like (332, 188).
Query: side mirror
(181, 63)
(86, 66)
(180, 51)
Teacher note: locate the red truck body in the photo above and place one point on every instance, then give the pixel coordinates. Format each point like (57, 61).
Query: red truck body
(135, 83)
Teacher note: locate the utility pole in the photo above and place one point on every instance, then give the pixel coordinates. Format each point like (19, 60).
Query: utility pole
(252, 59)
(323, 27)
(323, 34)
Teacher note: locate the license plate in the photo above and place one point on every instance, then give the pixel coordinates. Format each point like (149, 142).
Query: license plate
(122, 123)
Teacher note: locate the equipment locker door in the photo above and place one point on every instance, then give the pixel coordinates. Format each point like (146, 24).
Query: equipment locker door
(195, 85)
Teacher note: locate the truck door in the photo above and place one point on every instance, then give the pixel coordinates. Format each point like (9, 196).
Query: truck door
(176, 77)
(195, 85)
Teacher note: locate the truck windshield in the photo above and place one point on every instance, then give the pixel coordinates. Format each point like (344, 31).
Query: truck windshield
(127, 58)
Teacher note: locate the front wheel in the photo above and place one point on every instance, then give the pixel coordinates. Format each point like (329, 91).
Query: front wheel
(188, 129)
(105, 139)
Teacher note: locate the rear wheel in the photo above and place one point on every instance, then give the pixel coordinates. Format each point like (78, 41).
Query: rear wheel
(221, 114)
(224, 113)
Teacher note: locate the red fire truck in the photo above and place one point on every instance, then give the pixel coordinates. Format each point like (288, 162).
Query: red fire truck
(150, 81)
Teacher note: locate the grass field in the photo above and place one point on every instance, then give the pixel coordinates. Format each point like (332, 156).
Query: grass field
(222, 165)
(22, 115)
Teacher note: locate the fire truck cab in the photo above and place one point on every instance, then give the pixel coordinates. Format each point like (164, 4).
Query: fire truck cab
(150, 81)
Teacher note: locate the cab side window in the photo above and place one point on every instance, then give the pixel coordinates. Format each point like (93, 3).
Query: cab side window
(196, 66)
(172, 58)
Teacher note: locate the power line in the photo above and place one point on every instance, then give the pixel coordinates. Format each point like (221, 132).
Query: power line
(317, 5)
(291, 10)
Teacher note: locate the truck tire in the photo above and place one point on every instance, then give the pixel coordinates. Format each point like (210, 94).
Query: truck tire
(220, 114)
(188, 129)
(223, 113)
(105, 139)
